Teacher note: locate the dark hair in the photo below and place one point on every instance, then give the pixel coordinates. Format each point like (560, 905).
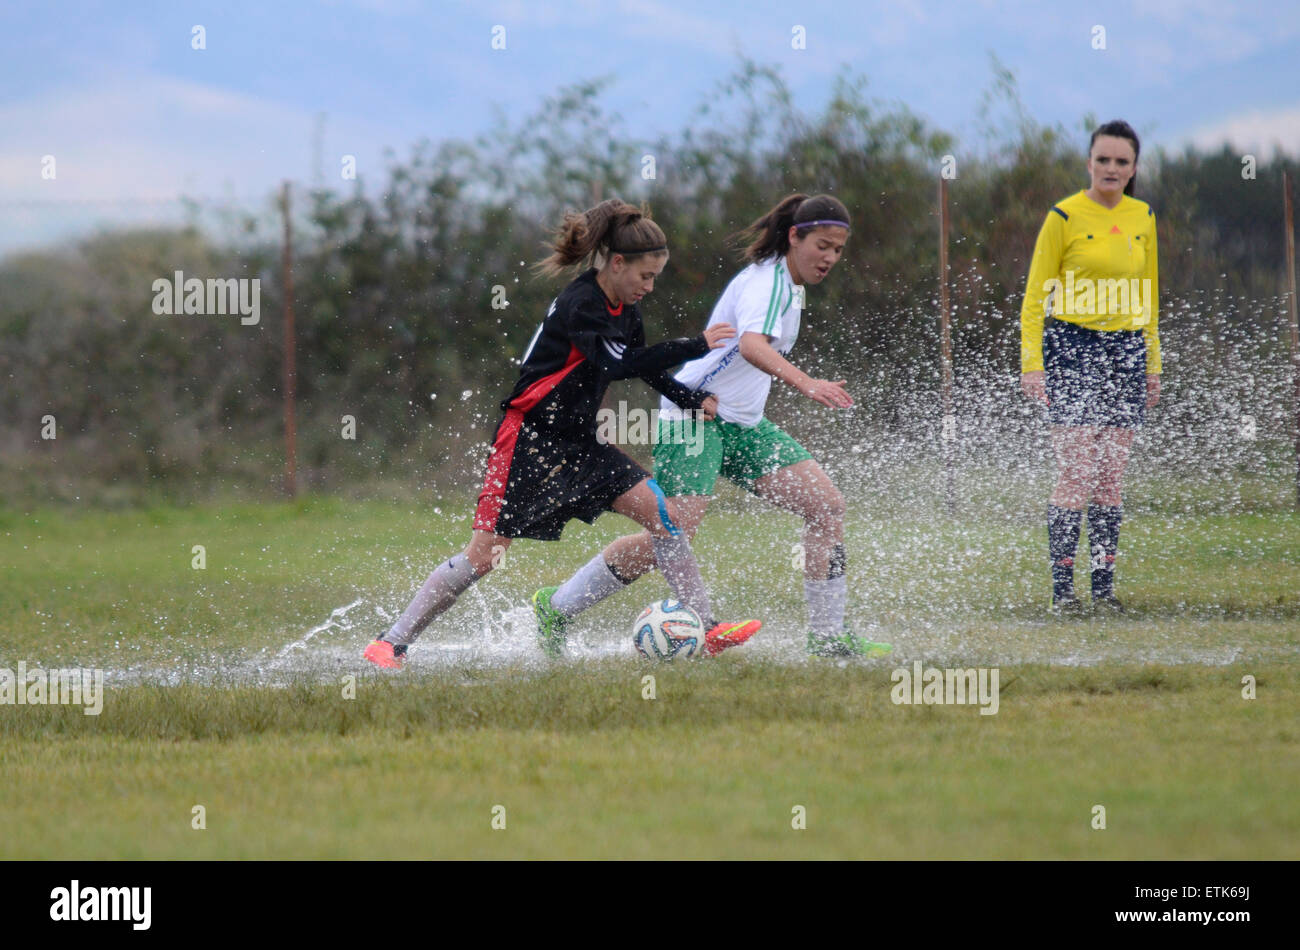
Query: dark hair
(1121, 130)
(612, 227)
(769, 236)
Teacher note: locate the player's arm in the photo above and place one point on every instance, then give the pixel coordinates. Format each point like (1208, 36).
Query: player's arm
(1150, 329)
(663, 382)
(758, 351)
(760, 318)
(693, 400)
(1044, 276)
(602, 343)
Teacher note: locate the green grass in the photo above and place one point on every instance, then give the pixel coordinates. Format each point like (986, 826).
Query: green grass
(711, 768)
(413, 764)
(120, 587)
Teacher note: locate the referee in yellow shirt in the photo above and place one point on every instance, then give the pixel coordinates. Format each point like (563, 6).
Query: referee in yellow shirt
(1090, 350)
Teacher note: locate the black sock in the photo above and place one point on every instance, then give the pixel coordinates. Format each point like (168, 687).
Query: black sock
(1062, 542)
(1103, 540)
(839, 562)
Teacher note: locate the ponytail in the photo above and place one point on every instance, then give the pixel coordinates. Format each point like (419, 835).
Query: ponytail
(769, 236)
(597, 234)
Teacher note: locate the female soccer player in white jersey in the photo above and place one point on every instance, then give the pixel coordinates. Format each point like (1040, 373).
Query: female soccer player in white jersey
(546, 466)
(792, 246)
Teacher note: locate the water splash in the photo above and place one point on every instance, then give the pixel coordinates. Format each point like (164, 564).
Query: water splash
(333, 623)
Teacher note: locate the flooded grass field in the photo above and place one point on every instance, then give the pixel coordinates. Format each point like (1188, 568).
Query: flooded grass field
(239, 686)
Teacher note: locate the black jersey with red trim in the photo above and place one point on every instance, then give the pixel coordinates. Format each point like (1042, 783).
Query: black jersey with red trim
(582, 346)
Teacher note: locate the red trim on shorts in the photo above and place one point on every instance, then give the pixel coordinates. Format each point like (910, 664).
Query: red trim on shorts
(493, 495)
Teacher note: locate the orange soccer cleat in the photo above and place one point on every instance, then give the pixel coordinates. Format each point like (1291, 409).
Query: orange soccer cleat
(727, 635)
(382, 653)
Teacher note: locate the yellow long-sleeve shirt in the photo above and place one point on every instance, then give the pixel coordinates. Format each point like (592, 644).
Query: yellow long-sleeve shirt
(1096, 267)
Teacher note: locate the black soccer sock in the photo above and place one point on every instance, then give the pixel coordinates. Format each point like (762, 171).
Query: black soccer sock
(1062, 542)
(1103, 540)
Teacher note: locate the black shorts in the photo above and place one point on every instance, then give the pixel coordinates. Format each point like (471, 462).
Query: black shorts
(538, 480)
(1094, 377)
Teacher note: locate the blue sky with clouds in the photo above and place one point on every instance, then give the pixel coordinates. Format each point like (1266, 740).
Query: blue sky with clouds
(135, 117)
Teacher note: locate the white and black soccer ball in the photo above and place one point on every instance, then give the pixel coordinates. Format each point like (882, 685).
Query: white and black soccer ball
(668, 629)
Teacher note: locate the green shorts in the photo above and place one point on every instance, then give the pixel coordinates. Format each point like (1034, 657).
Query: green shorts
(689, 456)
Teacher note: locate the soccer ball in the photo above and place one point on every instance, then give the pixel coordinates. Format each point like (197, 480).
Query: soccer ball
(668, 629)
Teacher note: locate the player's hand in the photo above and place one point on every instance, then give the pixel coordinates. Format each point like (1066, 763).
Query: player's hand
(708, 410)
(828, 392)
(1153, 389)
(715, 334)
(1034, 385)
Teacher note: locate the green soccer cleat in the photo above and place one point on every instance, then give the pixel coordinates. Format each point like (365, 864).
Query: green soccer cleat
(846, 644)
(551, 624)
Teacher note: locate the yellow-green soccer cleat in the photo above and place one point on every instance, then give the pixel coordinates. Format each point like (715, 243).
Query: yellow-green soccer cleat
(846, 644)
(551, 624)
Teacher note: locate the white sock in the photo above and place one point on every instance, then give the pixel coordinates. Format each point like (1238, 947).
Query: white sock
(592, 583)
(448, 581)
(677, 564)
(826, 600)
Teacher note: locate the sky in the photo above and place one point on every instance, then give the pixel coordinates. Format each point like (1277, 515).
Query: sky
(134, 116)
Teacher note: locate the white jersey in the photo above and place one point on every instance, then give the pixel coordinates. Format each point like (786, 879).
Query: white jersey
(760, 299)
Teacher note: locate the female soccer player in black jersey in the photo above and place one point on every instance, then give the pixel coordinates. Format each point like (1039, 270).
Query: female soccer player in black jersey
(790, 248)
(1090, 350)
(546, 465)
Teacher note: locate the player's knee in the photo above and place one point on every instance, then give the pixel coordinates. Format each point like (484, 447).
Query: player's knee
(827, 510)
(666, 525)
(1107, 482)
(661, 530)
(1070, 493)
(1078, 478)
(835, 505)
(685, 525)
(1086, 469)
(483, 559)
(639, 558)
(1107, 493)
